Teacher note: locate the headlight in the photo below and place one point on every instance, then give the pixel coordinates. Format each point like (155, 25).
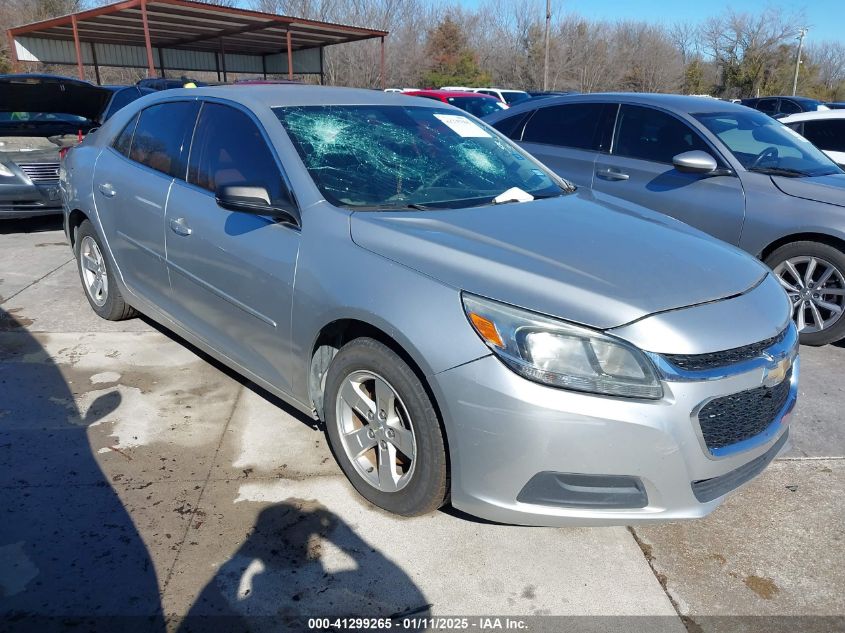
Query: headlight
(5, 171)
(562, 355)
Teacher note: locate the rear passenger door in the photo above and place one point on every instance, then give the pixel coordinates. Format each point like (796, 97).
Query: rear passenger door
(567, 138)
(639, 169)
(132, 181)
(232, 273)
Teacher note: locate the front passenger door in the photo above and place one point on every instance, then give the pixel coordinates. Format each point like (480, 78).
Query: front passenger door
(639, 169)
(232, 273)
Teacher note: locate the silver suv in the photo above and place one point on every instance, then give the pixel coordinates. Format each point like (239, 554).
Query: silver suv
(466, 324)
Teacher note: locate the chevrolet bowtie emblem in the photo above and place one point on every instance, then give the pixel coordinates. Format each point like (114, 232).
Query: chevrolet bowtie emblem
(775, 373)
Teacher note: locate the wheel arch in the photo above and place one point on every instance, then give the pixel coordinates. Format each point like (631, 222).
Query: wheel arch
(74, 220)
(823, 238)
(335, 334)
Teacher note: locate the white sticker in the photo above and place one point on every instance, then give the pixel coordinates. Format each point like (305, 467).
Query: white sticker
(462, 126)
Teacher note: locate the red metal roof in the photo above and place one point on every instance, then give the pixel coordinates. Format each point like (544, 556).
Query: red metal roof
(189, 25)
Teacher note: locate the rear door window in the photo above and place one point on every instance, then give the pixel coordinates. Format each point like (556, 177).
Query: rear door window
(769, 106)
(162, 134)
(570, 125)
(229, 149)
(649, 134)
(787, 106)
(829, 135)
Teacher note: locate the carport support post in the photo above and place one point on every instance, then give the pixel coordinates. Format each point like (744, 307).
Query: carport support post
(383, 78)
(151, 69)
(76, 45)
(223, 59)
(13, 52)
(96, 65)
(290, 56)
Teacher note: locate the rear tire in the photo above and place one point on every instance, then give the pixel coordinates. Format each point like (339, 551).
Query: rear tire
(813, 275)
(384, 430)
(97, 276)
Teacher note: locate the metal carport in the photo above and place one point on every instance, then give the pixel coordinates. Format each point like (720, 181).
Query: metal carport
(183, 35)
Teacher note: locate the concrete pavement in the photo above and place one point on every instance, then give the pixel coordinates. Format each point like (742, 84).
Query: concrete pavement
(142, 479)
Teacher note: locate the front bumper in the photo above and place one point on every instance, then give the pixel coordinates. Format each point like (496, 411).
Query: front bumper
(503, 430)
(23, 200)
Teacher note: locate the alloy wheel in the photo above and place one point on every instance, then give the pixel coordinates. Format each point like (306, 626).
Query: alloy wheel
(816, 289)
(93, 266)
(376, 431)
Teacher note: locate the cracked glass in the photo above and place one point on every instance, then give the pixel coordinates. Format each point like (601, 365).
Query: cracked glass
(394, 157)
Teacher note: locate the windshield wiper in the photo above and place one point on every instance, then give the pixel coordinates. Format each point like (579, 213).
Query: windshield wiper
(779, 171)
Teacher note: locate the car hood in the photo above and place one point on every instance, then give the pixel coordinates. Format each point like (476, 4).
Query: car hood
(829, 189)
(570, 257)
(24, 93)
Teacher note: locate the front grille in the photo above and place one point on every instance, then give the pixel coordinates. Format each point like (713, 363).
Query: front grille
(41, 172)
(699, 362)
(739, 416)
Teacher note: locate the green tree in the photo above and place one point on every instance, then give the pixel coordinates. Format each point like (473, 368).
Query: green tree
(450, 59)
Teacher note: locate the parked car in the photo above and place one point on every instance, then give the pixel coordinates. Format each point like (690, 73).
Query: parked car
(542, 94)
(779, 107)
(557, 360)
(165, 83)
(825, 130)
(41, 116)
(836, 105)
(723, 168)
(476, 104)
(120, 97)
(505, 96)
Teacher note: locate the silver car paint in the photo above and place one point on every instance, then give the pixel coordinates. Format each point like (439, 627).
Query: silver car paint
(751, 210)
(501, 428)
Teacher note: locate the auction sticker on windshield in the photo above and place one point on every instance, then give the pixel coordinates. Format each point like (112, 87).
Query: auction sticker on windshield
(462, 126)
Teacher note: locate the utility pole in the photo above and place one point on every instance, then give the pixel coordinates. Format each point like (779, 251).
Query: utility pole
(801, 33)
(546, 56)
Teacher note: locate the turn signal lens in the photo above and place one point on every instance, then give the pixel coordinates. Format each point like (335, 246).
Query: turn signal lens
(487, 329)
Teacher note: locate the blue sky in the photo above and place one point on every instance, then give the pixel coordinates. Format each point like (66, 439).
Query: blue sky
(825, 18)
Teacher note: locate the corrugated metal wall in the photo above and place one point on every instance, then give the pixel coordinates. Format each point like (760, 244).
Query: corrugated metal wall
(33, 49)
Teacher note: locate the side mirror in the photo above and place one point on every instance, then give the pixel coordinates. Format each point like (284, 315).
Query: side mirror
(254, 200)
(695, 162)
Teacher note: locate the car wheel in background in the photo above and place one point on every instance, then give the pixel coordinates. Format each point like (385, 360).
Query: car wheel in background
(384, 430)
(97, 278)
(813, 275)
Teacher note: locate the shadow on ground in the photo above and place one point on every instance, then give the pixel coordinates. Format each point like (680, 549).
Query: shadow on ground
(301, 561)
(70, 555)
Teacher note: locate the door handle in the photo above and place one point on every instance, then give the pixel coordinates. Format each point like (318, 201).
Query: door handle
(611, 174)
(179, 227)
(106, 189)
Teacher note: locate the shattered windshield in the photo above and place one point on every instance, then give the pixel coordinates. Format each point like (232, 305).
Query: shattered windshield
(392, 157)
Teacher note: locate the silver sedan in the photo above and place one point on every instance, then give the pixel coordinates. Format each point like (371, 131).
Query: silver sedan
(467, 326)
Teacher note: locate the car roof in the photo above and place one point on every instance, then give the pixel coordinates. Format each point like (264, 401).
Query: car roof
(813, 116)
(679, 103)
(449, 93)
(277, 95)
(43, 77)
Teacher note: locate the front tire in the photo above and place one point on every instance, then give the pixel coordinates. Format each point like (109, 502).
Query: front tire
(97, 276)
(813, 275)
(384, 430)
